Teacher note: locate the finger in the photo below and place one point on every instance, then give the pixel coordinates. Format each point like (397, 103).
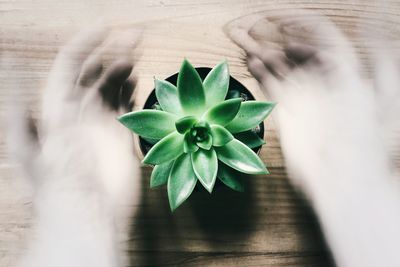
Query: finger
(111, 83)
(313, 60)
(275, 61)
(68, 63)
(259, 37)
(91, 71)
(238, 30)
(299, 53)
(258, 69)
(308, 27)
(22, 139)
(33, 129)
(120, 46)
(267, 34)
(126, 94)
(264, 76)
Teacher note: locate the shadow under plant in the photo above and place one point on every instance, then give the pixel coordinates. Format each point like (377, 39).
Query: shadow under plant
(268, 221)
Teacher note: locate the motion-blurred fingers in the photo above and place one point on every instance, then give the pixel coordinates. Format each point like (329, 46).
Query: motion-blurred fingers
(69, 61)
(91, 71)
(126, 101)
(238, 30)
(110, 84)
(299, 53)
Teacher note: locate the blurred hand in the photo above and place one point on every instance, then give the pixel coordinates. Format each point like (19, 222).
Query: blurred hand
(81, 102)
(80, 158)
(306, 65)
(329, 131)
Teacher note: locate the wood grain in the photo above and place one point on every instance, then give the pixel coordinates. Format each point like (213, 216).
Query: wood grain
(268, 219)
(270, 224)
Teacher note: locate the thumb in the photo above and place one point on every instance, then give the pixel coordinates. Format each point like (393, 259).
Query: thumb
(22, 140)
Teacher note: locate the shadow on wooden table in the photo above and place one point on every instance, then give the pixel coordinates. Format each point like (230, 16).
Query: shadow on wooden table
(267, 221)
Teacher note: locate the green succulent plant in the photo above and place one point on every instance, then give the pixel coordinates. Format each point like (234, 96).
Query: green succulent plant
(198, 135)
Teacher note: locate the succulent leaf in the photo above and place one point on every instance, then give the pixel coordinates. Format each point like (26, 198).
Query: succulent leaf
(203, 124)
(250, 139)
(181, 182)
(205, 166)
(216, 84)
(251, 113)
(220, 135)
(167, 149)
(223, 112)
(237, 155)
(167, 96)
(230, 177)
(152, 124)
(184, 124)
(206, 143)
(190, 90)
(160, 174)
(189, 146)
(233, 94)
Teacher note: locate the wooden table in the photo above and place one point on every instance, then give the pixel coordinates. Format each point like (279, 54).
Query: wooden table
(268, 225)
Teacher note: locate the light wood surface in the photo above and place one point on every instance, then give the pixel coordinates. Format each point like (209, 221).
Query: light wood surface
(270, 224)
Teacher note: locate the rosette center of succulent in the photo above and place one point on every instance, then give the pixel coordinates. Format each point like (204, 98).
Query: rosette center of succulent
(199, 134)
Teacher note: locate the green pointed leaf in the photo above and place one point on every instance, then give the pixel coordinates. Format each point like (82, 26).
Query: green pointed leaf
(234, 93)
(250, 139)
(206, 144)
(167, 149)
(251, 113)
(216, 84)
(160, 174)
(205, 166)
(190, 90)
(223, 112)
(237, 155)
(230, 177)
(153, 124)
(220, 135)
(181, 182)
(189, 146)
(167, 96)
(184, 124)
(203, 124)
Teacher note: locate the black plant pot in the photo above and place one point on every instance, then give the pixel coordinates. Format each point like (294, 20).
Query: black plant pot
(236, 89)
